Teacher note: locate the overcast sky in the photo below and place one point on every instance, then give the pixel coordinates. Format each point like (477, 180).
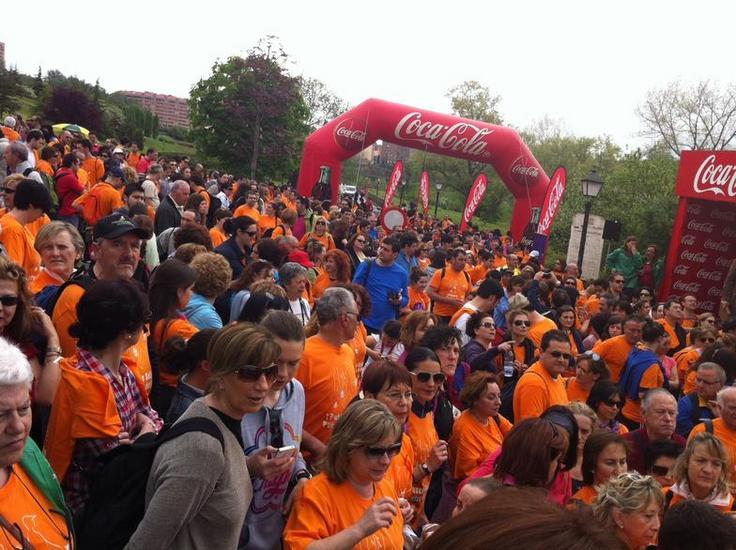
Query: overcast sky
(574, 61)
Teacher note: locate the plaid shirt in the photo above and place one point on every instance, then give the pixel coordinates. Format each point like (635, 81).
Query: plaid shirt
(129, 403)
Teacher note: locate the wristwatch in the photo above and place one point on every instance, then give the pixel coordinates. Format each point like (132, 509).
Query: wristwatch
(425, 468)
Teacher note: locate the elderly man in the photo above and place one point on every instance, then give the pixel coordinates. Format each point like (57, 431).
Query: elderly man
(32, 509)
(659, 410)
(700, 405)
(168, 213)
(327, 369)
(724, 427)
(16, 158)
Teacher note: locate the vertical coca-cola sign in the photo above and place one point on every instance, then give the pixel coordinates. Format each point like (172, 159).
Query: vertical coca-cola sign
(475, 197)
(704, 237)
(394, 181)
(424, 190)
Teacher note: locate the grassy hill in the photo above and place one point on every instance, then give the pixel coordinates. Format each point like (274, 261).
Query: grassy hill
(167, 145)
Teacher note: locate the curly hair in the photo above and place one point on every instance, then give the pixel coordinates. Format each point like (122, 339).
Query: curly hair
(213, 274)
(342, 262)
(629, 492)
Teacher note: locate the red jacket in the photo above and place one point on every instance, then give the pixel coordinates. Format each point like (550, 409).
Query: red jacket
(68, 189)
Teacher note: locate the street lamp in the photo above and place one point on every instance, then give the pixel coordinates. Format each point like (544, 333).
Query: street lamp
(437, 186)
(591, 186)
(401, 195)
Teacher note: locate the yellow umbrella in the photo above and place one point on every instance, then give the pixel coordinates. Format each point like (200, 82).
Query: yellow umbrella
(73, 128)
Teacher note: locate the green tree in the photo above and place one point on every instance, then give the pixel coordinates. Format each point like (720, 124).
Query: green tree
(155, 129)
(9, 89)
(64, 103)
(38, 83)
(323, 105)
(250, 113)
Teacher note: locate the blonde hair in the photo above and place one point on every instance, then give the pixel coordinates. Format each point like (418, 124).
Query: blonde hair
(715, 448)
(518, 301)
(52, 229)
(578, 407)
(629, 492)
(412, 322)
(363, 424)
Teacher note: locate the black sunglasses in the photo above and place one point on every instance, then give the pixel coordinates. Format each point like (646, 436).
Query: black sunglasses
(9, 300)
(488, 325)
(660, 470)
(251, 233)
(377, 452)
(250, 373)
(613, 403)
(558, 354)
(522, 323)
(425, 377)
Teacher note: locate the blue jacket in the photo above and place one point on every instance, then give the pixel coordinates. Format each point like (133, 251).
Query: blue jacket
(690, 413)
(640, 359)
(201, 313)
(380, 281)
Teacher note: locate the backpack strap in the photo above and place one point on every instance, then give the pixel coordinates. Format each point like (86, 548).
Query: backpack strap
(27, 171)
(708, 425)
(367, 273)
(194, 424)
(667, 500)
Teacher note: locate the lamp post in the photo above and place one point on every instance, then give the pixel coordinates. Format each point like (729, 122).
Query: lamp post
(591, 186)
(401, 195)
(437, 186)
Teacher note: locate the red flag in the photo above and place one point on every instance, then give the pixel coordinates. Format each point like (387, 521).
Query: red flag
(393, 183)
(552, 200)
(424, 190)
(475, 197)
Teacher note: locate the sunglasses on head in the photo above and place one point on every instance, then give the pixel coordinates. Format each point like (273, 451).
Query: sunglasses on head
(522, 323)
(377, 453)
(425, 377)
(9, 300)
(558, 354)
(589, 355)
(251, 373)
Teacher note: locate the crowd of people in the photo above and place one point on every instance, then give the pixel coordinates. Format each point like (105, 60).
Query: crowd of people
(264, 370)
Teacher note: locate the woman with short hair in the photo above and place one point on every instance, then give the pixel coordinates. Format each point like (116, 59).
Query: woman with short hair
(61, 247)
(606, 399)
(293, 277)
(604, 456)
(352, 503)
(630, 504)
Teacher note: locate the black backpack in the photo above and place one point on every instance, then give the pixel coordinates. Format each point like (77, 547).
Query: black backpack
(46, 299)
(117, 499)
(268, 232)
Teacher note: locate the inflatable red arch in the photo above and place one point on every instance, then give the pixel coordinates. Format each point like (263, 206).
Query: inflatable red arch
(443, 134)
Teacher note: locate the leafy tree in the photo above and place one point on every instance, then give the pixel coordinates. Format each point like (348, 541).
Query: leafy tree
(250, 113)
(38, 83)
(155, 129)
(697, 117)
(9, 89)
(64, 103)
(323, 105)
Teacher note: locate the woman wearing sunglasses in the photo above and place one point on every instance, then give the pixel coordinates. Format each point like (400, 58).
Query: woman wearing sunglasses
(357, 248)
(199, 490)
(524, 351)
(478, 352)
(604, 456)
(606, 399)
(319, 233)
(352, 503)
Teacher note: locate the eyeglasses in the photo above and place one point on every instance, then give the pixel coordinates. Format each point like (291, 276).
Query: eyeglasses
(708, 340)
(660, 470)
(425, 377)
(619, 281)
(613, 403)
(522, 323)
(250, 373)
(706, 382)
(376, 453)
(570, 283)
(558, 354)
(9, 300)
(644, 294)
(709, 320)
(320, 223)
(251, 233)
(398, 396)
(488, 325)
(8, 190)
(360, 240)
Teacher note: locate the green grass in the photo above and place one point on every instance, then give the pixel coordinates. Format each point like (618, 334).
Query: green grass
(168, 146)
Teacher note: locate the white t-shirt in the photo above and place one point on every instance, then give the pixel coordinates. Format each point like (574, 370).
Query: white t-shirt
(462, 322)
(150, 192)
(300, 308)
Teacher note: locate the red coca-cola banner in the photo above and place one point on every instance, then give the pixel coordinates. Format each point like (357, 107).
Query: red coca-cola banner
(424, 190)
(394, 181)
(553, 200)
(702, 248)
(709, 175)
(429, 131)
(475, 197)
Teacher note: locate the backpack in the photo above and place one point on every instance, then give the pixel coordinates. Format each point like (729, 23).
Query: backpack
(117, 499)
(268, 232)
(507, 397)
(50, 185)
(47, 298)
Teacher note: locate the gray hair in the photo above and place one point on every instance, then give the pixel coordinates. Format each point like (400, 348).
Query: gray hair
(155, 169)
(651, 394)
(14, 366)
(334, 302)
(19, 150)
(722, 394)
(709, 365)
(289, 271)
(177, 184)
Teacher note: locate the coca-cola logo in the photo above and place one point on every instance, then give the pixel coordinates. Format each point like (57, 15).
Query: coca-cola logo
(723, 215)
(475, 199)
(350, 134)
(686, 287)
(555, 198)
(718, 179)
(706, 305)
(699, 257)
(694, 209)
(702, 227)
(715, 292)
(393, 183)
(723, 262)
(424, 189)
(461, 137)
(710, 275)
(687, 240)
(681, 269)
(522, 171)
(719, 246)
(729, 233)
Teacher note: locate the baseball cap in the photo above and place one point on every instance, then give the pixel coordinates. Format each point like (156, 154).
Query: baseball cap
(534, 254)
(116, 172)
(9, 122)
(118, 150)
(116, 225)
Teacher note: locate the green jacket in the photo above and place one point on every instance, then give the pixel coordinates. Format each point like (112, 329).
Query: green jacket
(625, 264)
(38, 469)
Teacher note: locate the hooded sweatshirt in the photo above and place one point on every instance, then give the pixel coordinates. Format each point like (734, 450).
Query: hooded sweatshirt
(264, 522)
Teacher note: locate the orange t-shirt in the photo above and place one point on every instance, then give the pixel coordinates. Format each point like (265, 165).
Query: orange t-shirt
(401, 471)
(9, 133)
(536, 391)
(575, 392)
(418, 301)
(614, 351)
(327, 373)
(587, 495)
(133, 159)
(35, 226)
(677, 499)
(43, 279)
(691, 383)
(245, 210)
(95, 168)
(321, 283)
(454, 284)
(539, 329)
(358, 345)
(101, 200)
(423, 437)
(688, 323)
(24, 505)
(651, 379)
(669, 329)
(593, 305)
(727, 437)
(478, 273)
(324, 508)
(281, 231)
(266, 222)
(45, 167)
(686, 358)
(472, 442)
(18, 242)
(217, 237)
(326, 240)
(174, 327)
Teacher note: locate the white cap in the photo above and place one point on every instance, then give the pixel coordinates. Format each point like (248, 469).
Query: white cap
(534, 254)
(118, 150)
(9, 122)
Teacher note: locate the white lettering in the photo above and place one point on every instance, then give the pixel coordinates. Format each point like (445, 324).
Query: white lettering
(713, 178)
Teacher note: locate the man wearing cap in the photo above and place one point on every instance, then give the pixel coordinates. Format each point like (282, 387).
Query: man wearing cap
(103, 198)
(168, 213)
(16, 157)
(8, 129)
(116, 251)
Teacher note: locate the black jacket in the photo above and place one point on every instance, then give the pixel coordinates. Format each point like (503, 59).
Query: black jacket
(234, 255)
(167, 215)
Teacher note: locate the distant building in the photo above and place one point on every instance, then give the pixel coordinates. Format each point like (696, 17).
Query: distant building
(2, 55)
(171, 111)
